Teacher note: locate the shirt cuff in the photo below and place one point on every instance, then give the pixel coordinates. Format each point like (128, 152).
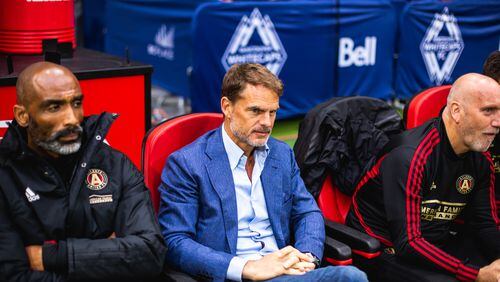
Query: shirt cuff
(235, 269)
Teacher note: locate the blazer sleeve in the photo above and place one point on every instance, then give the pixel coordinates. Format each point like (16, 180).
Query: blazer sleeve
(138, 249)
(306, 218)
(178, 217)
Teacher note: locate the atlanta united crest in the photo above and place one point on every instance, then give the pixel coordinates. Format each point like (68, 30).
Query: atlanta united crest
(465, 183)
(255, 41)
(96, 179)
(442, 46)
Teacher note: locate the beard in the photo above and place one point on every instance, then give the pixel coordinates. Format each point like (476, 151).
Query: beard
(52, 142)
(245, 138)
(475, 140)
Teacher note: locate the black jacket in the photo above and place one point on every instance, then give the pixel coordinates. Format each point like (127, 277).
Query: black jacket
(495, 156)
(105, 194)
(411, 197)
(342, 137)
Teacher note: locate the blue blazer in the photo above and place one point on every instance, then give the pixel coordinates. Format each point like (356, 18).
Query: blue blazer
(198, 214)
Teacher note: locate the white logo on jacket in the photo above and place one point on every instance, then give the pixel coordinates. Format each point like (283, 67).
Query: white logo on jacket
(99, 199)
(31, 196)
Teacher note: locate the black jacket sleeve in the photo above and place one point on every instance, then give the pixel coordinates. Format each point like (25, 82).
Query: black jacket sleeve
(403, 176)
(14, 263)
(138, 249)
(483, 210)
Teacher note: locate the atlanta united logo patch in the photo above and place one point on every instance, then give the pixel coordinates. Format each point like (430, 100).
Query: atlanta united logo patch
(96, 179)
(465, 183)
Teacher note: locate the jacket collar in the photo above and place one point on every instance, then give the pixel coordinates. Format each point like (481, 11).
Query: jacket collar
(15, 143)
(221, 178)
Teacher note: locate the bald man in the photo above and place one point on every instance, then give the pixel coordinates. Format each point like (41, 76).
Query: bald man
(431, 175)
(71, 207)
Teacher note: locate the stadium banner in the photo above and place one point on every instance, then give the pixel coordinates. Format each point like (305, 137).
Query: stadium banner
(301, 42)
(157, 33)
(94, 15)
(442, 40)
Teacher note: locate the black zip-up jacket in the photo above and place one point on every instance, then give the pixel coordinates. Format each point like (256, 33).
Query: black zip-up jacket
(341, 137)
(73, 220)
(411, 197)
(495, 156)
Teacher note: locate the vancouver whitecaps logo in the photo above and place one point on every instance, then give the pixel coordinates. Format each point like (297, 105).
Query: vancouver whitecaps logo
(164, 43)
(243, 49)
(441, 52)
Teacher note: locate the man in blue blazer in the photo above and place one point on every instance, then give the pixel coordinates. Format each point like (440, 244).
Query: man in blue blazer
(233, 205)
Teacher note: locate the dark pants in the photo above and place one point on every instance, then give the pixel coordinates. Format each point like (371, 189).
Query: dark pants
(389, 267)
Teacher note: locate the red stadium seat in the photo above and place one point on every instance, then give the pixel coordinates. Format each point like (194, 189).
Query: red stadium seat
(166, 138)
(425, 105)
(334, 204)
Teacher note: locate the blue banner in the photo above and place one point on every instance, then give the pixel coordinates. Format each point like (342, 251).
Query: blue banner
(302, 42)
(94, 14)
(366, 48)
(440, 41)
(157, 32)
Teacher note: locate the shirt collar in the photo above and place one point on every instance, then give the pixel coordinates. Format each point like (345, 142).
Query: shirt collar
(233, 151)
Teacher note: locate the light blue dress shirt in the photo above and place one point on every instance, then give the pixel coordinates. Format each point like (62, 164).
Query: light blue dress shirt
(255, 234)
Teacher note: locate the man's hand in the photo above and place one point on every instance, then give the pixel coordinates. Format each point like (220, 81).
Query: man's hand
(489, 273)
(285, 261)
(34, 253)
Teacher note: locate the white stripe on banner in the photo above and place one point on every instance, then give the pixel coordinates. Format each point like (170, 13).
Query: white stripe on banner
(4, 123)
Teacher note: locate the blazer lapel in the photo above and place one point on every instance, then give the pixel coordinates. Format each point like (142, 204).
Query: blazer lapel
(221, 179)
(272, 186)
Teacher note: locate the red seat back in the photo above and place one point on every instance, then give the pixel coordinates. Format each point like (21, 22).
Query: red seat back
(168, 137)
(333, 204)
(425, 105)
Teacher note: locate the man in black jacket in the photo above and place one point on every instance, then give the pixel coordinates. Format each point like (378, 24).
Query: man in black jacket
(71, 207)
(491, 68)
(436, 173)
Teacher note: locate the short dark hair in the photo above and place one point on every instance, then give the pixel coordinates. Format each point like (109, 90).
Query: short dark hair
(239, 75)
(491, 66)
